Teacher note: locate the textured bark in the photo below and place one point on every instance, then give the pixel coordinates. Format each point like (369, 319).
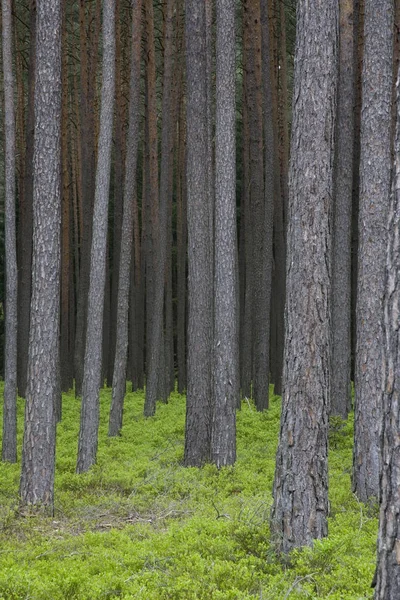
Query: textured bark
(198, 402)
(88, 47)
(88, 434)
(9, 444)
(130, 191)
(342, 218)
(374, 184)
(38, 455)
(181, 237)
(280, 108)
(358, 61)
(388, 559)
(226, 349)
(25, 220)
(65, 348)
(300, 492)
(119, 175)
(256, 280)
(160, 224)
(246, 337)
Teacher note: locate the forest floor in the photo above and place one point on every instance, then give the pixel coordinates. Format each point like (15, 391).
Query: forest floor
(141, 526)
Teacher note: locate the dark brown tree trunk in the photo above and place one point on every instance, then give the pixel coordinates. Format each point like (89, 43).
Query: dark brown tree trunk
(198, 403)
(130, 191)
(156, 354)
(181, 237)
(25, 220)
(88, 435)
(9, 444)
(388, 559)
(375, 173)
(88, 48)
(342, 218)
(226, 343)
(38, 455)
(300, 508)
(281, 131)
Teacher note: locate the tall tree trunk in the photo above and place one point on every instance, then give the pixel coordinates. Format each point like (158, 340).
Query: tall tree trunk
(181, 239)
(300, 508)
(9, 447)
(65, 366)
(281, 132)
(155, 345)
(226, 343)
(119, 160)
(375, 173)
(342, 213)
(88, 435)
(388, 572)
(87, 171)
(38, 455)
(130, 191)
(25, 220)
(198, 402)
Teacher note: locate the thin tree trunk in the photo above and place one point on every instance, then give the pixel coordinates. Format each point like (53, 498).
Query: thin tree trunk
(198, 401)
(300, 508)
(9, 447)
(160, 223)
(226, 343)
(88, 435)
(26, 219)
(130, 191)
(38, 455)
(66, 375)
(375, 173)
(181, 237)
(119, 163)
(342, 212)
(87, 171)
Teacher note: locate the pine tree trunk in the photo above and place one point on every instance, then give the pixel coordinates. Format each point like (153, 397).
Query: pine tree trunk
(342, 213)
(88, 434)
(198, 402)
(181, 240)
(226, 346)
(38, 455)
(300, 508)
(156, 358)
(87, 172)
(130, 191)
(9, 445)
(388, 559)
(375, 172)
(25, 220)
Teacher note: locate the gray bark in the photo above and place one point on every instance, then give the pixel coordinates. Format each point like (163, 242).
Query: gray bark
(342, 217)
(121, 349)
(226, 344)
(38, 455)
(88, 434)
(373, 211)
(198, 402)
(388, 559)
(9, 447)
(300, 492)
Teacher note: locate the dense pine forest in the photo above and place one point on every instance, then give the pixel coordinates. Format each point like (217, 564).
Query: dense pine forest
(200, 288)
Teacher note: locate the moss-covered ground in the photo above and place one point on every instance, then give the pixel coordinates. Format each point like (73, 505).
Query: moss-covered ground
(141, 526)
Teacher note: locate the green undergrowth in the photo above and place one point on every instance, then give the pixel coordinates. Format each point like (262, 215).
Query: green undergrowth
(141, 526)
